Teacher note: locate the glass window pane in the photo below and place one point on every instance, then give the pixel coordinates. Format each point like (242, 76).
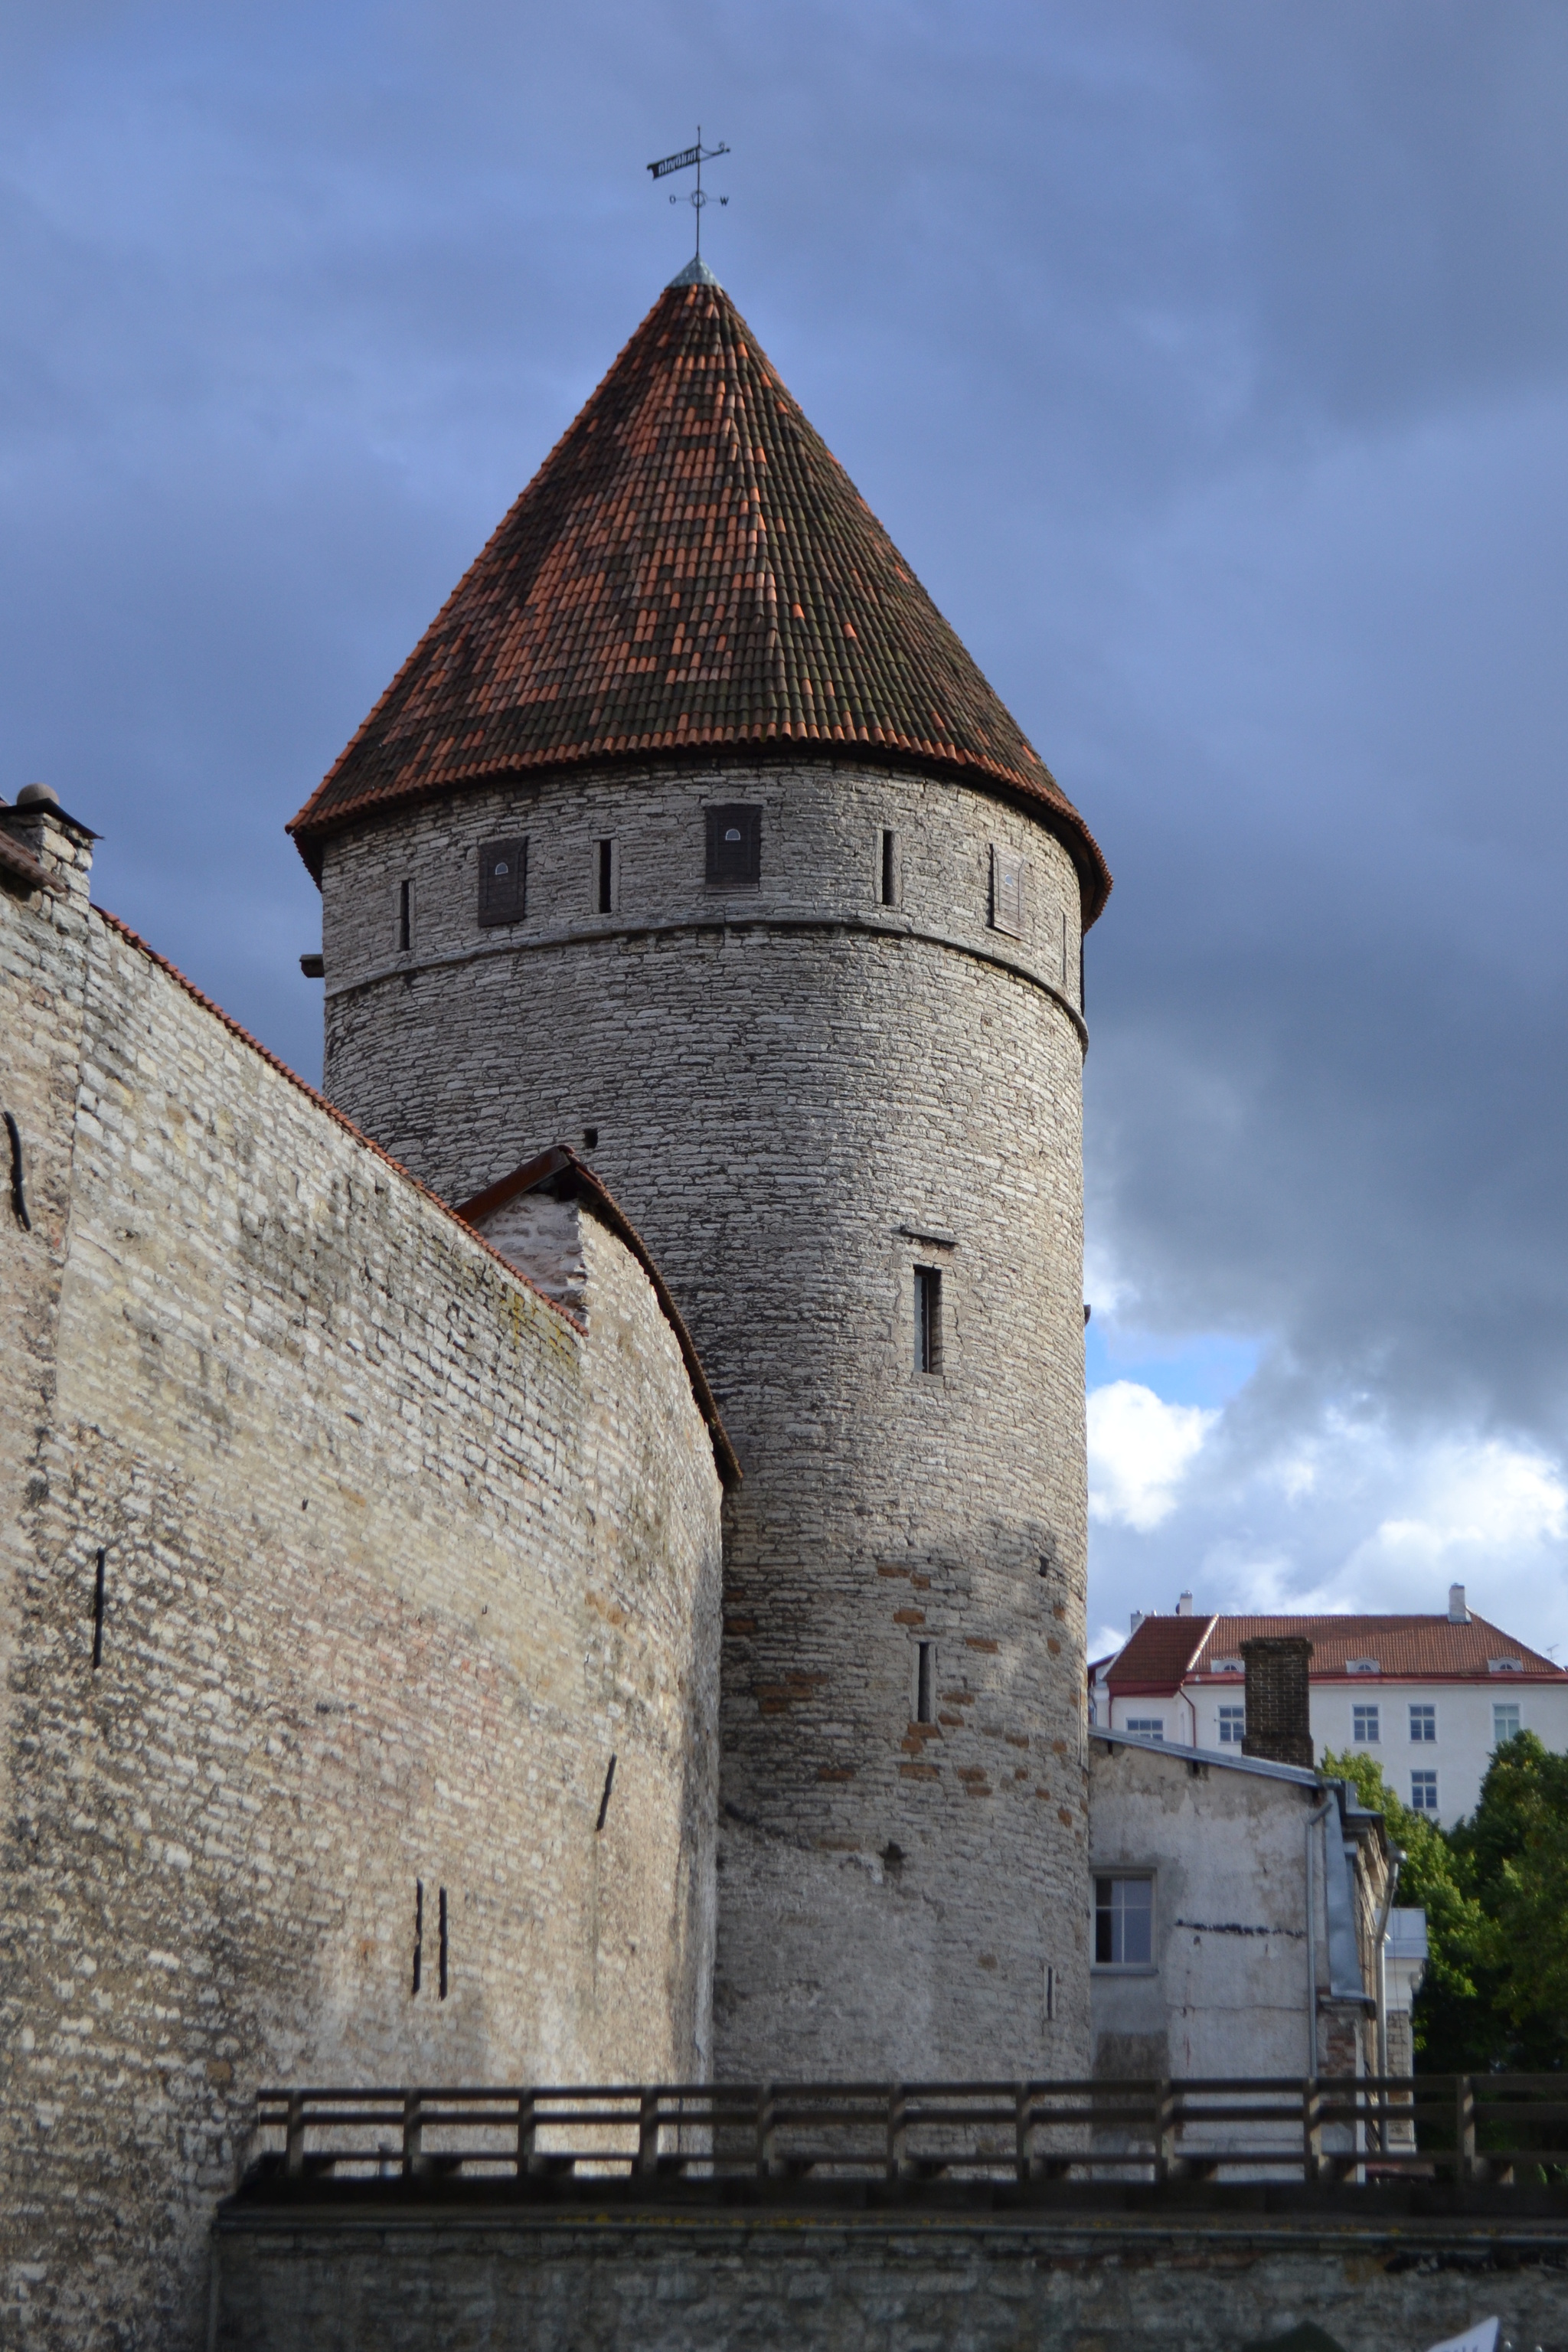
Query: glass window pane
(1137, 1921)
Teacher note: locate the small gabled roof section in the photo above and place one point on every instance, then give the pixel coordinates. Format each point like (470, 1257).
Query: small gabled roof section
(690, 573)
(570, 1178)
(1158, 1658)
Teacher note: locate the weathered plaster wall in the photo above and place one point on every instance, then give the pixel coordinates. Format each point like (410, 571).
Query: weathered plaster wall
(812, 2284)
(396, 1557)
(1227, 1991)
(800, 1095)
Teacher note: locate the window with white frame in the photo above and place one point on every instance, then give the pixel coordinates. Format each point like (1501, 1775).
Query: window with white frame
(1505, 1720)
(1124, 1922)
(1424, 1792)
(1423, 1725)
(1232, 1725)
(1364, 1726)
(1151, 1727)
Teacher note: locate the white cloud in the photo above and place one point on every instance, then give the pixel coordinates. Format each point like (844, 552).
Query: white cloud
(1140, 1450)
(1480, 1501)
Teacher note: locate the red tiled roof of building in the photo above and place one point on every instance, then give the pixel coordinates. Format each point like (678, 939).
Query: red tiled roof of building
(690, 568)
(1165, 1651)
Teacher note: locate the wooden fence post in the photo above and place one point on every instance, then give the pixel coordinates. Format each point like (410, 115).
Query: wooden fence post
(1312, 2129)
(647, 2132)
(294, 2158)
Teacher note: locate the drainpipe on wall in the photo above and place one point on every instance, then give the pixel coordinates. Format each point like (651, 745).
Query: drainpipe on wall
(1313, 1819)
(1396, 1858)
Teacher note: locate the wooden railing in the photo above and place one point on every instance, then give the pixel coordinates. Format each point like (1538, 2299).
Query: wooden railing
(1468, 2128)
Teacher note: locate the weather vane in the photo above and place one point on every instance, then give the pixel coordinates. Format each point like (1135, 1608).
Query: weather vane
(682, 163)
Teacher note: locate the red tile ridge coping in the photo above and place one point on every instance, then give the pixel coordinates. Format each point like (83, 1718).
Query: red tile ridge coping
(338, 1118)
(560, 1158)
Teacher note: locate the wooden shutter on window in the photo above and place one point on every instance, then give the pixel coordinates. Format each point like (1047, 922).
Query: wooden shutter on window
(1007, 876)
(735, 846)
(503, 882)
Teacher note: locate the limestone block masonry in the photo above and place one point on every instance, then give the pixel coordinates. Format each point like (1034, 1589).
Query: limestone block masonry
(341, 1562)
(806, 1093)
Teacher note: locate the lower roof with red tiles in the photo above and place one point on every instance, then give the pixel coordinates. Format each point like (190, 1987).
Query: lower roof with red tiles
(691, 570)
(1166, 1652)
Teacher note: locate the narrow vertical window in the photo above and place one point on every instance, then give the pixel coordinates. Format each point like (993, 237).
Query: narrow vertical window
(890, 869)
(1050, 1994)
(418, 1931)
(1009, 871)
(925, 1698)
(503, 882)
(928, 1319)
(604, 1796)
(442, 1932)
(98, 1617)
(607, 877)
(405, 916)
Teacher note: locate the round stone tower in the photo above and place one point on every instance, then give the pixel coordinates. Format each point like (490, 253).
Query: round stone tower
(691, 835)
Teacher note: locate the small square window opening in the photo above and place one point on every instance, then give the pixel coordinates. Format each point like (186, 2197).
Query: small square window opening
(1423, 1792)
(1423, 1725)
(1123, 1922)
(1232, 1725)
(503, 882)
(734, 847)
(1505, 1721)
(928, 1319)
(1364, 1727)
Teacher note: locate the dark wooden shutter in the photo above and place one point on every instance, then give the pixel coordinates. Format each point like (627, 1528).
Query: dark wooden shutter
(503, 882)
(1008, 874)
(735, 846)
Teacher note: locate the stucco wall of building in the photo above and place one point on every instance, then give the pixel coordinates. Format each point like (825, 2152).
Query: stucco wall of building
(801, 1094)
(1228, 1989)
(396, 1555)
(1458, 1741)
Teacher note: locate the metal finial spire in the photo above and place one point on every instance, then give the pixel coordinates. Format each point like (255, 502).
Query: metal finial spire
(686, 157)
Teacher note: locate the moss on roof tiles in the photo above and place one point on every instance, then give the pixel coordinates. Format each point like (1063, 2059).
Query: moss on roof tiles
(689, 559)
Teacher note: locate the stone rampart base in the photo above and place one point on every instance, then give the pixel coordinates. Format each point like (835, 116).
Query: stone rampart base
(823, 2278)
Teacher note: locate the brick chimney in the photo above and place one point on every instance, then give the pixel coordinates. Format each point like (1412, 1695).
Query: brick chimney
(45, 848)
(1279, 1700)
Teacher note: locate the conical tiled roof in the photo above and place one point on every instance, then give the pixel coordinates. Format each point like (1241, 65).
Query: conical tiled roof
(690, 568)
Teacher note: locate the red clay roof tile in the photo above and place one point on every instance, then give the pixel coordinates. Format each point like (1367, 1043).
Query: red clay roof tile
(690, 563)
(1162, 1652)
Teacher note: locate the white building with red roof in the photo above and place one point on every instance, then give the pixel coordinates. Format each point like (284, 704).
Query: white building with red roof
(1430, 1697)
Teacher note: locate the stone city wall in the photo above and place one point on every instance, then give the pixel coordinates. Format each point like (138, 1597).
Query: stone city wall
(803, 1097)
(1198, 2284)
(395, 1555)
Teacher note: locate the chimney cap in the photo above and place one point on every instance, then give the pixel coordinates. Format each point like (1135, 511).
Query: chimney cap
(38, 796)
(1457, 1612)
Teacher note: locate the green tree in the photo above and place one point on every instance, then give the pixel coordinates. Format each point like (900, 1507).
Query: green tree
(1512, 1854)
(1455, 2023)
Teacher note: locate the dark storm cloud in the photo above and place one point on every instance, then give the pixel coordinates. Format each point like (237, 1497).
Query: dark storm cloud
(1207, 362)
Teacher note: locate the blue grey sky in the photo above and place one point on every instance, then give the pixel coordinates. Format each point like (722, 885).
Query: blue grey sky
(1208, 362)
